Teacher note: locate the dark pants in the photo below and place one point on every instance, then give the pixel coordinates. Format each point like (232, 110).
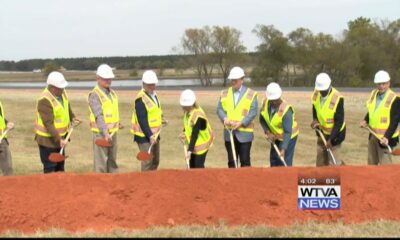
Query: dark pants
(242, 153)
(197, 161)
(48, 166)
(289, 153)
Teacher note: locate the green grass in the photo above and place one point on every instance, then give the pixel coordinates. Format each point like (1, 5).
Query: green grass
(310, 229)
(20, 107)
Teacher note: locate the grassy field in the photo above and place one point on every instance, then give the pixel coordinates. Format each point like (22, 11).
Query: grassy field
(20, 107)
(308, 230)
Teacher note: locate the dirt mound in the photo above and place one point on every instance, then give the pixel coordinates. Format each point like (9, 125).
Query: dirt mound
(102, 202)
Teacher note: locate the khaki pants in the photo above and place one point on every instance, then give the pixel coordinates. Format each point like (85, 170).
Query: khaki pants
(153, 163)
(376, 154)
(105, 159)
(5, 158)
(324, 158)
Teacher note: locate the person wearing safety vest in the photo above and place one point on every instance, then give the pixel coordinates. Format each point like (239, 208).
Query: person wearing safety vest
(147, 119)
(197, 130)
(104, 120)
(382, 117)
(328, 117)
(5, 153)
(237, 108)
(278, 120)
(53, 118)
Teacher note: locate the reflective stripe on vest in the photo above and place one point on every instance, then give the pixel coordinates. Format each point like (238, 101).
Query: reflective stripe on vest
(379, 117)
(326, 113)
(2, 121)
(109, 108)
(205, 138)
(275, 124)
(241, 110)
(154, 115)
(60, 113)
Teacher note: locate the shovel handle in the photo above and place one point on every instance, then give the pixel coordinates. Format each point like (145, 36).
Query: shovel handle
(375, 135)
(4, 134)
(278, 152)
(151, 145)
(321, 135)
(230, 130)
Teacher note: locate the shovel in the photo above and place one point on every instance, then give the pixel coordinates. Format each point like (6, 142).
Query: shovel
(185, 151)
(59, 157)
(277, 152)
(395, 152)
(230, 130)
(327, 149)
(145, 156)
(5, 133)
(101, 142)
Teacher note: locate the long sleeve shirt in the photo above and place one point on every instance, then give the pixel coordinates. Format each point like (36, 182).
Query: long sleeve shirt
(95, 106)
(201, 124)
(336, 136)
(394, 121)
(46, 113)
(141, 114)
(287, 124)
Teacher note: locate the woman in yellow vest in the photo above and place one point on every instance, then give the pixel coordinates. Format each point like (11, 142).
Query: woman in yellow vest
(5, 154)
(328, 116)
(53, 118)
(278, 120)
(382, 117)
(197, 130)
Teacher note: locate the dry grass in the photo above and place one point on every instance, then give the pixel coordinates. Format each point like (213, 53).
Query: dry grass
(308, 230)
(20, 108)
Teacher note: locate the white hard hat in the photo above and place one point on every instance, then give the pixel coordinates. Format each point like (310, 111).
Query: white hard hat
(57, 79)
(381, 77)
(149, 77)
(236, 73)
(322, 82)
(187, 98)
(274, 91)
(105, 71)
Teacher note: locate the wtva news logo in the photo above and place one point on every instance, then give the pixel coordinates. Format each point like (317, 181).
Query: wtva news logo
(318, 193)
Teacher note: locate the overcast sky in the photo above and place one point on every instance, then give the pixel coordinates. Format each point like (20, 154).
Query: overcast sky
(84, 28)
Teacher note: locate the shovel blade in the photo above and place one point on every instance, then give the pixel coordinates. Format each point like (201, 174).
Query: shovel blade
(56, 157)
(101, 142)
(396, 152)
(144, 156)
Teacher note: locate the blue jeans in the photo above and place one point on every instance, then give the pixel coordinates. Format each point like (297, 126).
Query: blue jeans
(289, 153)
(48, 166)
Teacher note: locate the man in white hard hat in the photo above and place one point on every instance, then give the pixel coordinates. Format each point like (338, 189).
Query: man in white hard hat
(5, 153)
(328, 116)
(53, 118)
(382, 117)
(278, 120)
(147, 119)
(104, 120)
(197, 133)
(237, 108)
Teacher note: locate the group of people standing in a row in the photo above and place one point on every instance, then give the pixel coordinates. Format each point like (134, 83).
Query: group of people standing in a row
(237, 108)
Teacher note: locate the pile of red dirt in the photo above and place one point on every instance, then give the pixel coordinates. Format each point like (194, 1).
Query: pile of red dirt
(102, 202)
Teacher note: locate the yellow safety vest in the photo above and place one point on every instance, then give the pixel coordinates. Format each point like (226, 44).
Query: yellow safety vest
(60, 112)
(275, 124)
(154, 115)
(110, 111)
(242, 108)
(326, 113)
(379, 119)
(2, 121)
(205, 138)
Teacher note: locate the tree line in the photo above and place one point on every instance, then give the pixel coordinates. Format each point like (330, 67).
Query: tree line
(292, 59)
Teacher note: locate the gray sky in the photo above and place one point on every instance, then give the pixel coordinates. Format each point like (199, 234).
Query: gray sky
(71, 28)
